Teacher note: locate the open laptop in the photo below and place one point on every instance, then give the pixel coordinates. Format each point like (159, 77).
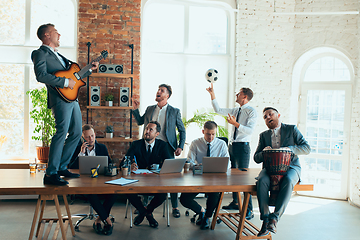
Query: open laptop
(215, 164)
(86, 163)
(174, 165)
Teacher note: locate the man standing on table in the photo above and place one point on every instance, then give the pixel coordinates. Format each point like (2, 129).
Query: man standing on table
(207, 146)
(169, 119)
(67, 115)
(279, 135)
(148, 151)
(244, 121)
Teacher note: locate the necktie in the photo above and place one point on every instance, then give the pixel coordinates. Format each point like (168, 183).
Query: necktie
(237, 120)
(208, 150)
(148, 152)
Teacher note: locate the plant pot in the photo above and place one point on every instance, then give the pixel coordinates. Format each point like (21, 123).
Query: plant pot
(42, 154)
(109, 103)
(109, 135)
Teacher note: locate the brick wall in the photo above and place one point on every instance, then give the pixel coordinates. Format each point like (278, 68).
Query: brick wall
(112, 26)
(268, 46)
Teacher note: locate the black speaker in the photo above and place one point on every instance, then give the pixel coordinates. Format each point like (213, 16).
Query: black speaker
(124, 96)
(94, 96)
(111, 68)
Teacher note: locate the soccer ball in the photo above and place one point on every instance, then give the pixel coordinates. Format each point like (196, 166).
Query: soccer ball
(211, 75)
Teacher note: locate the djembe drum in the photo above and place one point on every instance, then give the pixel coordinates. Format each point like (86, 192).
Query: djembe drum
(276, 163)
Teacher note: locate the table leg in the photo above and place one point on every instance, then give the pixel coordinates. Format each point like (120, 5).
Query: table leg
(35, 218)
(242, 215)
(69, 215)
(217, 209)
(62, 227)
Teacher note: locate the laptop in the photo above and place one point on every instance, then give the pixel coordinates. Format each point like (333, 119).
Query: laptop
(215, 164)
(174, 165)
(86, 163)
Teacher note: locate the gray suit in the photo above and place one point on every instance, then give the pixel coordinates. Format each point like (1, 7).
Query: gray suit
(67, 115)
(293, 139)
(173, 121)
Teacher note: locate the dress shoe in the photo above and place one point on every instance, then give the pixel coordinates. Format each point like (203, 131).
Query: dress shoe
(176, 213)
(249, 215)
(205, 223)
(107, 230)
(272, 225)
(54, 179)
(97, 227)
(231, 206)
(139, 218)
(68, 174)
(263, 231)
(152, 222)
(200, 218)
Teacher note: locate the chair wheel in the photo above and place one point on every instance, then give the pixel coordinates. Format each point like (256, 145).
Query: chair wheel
(112, 219)
(187, 213)
(192, 219)
(218, 221)
(76, 228)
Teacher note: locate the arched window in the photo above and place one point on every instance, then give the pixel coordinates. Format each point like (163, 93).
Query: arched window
(181, 40)
(325, 91)
(19, 20)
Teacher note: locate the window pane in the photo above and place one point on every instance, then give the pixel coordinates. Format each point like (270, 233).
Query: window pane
(60, 13)
(12, 109)
(327, 69)
(163, 29)
(12, 22)
(207, 30)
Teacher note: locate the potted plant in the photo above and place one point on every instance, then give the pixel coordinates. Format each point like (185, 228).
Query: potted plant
(109, 131)
(44, 120)
(109, 98)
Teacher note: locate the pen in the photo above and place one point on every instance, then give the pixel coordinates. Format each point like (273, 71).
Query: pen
(135, 160)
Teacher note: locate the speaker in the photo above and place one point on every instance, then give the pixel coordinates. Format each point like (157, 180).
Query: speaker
(110, 68)
(124, 96)
(94, 96)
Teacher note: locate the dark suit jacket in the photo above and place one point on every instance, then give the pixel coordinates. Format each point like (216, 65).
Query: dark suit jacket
(158, 154)
(173, 121)
(46, 64)
(100, 150)
(292, 138)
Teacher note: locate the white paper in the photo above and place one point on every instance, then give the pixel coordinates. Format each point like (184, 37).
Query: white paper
(142, 171)
(122, 181)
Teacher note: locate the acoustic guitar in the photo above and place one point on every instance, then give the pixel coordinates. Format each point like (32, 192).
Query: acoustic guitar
(77, 75)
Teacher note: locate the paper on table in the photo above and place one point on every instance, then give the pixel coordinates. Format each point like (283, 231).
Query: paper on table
(122, 181)
(142, 171)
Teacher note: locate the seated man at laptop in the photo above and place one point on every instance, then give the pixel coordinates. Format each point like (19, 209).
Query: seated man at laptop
(148, 151)
(207, 146)
(90, 147)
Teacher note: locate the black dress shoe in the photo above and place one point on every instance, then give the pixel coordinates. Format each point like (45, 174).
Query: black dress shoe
(231, 206)
(139, 218)
(68, 174)
(152, 222)
(107, 230)
(54, 179)
(272, 225)
(176, 213)
(249, 215)
(97, 227)
(205, 223)
(200, 218)
(263, 231)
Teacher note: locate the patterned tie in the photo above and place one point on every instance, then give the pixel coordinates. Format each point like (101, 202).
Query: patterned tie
(208, 150)
(237, 120)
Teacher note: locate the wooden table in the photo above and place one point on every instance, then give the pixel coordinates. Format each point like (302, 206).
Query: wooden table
(21, 182)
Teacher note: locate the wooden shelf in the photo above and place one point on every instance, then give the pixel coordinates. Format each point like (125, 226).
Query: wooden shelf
(112, 75)
(115, 139)
(107, 107)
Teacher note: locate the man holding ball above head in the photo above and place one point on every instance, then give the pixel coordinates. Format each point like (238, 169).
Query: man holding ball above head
(244, 120)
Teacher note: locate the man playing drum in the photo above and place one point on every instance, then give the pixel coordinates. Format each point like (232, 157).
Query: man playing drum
(283, 136)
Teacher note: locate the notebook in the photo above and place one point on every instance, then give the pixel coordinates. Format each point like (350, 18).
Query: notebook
(215, 164)
(88, 162)
(174, 165)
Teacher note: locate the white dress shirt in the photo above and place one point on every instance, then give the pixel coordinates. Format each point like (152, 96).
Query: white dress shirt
(159, 115)
(66, 83)
(247, 120)
(276, 137)
(147, 144)
(89, 153)
(198, 150)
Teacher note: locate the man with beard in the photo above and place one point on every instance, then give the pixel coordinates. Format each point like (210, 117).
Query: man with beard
(279, 135)
(148, 151)
(169, 119)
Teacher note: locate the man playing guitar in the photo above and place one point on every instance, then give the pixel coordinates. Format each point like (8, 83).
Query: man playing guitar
(47, 61)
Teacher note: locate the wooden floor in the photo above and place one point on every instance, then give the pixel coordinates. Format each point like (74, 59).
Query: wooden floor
(305, 218)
